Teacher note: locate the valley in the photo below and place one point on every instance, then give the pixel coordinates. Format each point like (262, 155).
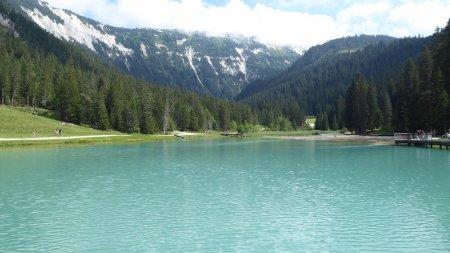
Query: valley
(151, 80)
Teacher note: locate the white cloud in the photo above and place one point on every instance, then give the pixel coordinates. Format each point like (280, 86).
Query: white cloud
(420, 17)
(406, 18)
(309, 3)
(269, 24)
(360, 17)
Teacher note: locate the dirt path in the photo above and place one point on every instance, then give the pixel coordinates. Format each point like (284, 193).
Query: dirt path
(59, 138)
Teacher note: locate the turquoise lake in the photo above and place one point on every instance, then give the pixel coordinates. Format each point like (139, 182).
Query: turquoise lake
(225, 196)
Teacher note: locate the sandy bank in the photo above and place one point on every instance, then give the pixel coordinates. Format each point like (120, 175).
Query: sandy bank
(179, 133)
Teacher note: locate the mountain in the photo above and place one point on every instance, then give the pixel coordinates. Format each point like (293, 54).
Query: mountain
(220, 66)
(316, 56)
(321, 76)
(37, 70)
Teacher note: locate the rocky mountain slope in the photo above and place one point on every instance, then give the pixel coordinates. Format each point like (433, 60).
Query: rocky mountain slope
(213, 65)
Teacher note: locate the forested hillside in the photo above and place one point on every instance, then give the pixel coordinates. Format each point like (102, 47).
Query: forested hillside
(318, 82)
(218, 66)
(38, 70)
(418, 99)
(314, 57)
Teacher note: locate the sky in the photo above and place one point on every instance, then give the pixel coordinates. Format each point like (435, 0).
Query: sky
(295, 23)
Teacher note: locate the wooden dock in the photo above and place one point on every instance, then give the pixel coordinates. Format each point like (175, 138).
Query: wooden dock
(419, 140)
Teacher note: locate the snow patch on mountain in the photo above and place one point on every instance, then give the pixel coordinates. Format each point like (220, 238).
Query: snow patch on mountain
(242, 62)
(181, 42)
(144, 50)
(257, 51)
(127, 64)
(190, 53)
(8, 24)
(298, 50)
(74, 29)
(208, 59)
(226, 68)
(159, 46)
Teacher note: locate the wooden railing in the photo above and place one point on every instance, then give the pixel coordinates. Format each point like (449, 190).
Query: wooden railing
(412, 136)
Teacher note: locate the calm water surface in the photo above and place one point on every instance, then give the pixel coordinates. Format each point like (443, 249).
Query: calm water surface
(225, 196)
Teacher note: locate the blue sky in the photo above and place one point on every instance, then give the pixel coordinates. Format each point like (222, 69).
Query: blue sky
(297, 23)
(312, 7)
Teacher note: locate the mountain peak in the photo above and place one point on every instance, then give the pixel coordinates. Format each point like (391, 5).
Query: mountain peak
(220, 66)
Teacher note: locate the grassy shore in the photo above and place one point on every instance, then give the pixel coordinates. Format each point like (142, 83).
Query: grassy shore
(26, 123)
(30, 127)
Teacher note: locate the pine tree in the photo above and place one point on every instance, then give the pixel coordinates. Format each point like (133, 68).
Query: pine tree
(436, 92)
(373, 120)
(351, 106)
(386, 109)
(403, 109)
(340, 105)
(356, 107)
(28, 82)
(146, 124)
(102, 115)
(166, 116)
(319, 120)
(442, 54)
(411, 94)
(15, 82)
(5, 82)
(114, 107)
(426, 83)
(443, 107)
(325, 122)
(71, 103)
(334, 123)
(224, 116)
(129, 113)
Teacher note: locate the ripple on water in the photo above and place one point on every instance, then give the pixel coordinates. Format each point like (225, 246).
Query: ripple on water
(232, 196)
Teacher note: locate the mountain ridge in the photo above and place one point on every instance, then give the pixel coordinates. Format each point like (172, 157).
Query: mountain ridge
(315, 56)
(219, 66)
(318, 86)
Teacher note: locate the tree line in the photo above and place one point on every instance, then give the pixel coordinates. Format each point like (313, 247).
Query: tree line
(318, 83)
(417, 98)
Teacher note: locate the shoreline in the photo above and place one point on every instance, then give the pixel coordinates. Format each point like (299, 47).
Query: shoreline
(135, 138)
(6, 142)
(337, 137)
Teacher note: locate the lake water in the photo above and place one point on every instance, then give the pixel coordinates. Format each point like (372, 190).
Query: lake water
(225, 196)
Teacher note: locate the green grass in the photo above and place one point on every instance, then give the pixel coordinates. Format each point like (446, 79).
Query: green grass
(311, 120)
(22, 123)
(346, 51)
(16, 122)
